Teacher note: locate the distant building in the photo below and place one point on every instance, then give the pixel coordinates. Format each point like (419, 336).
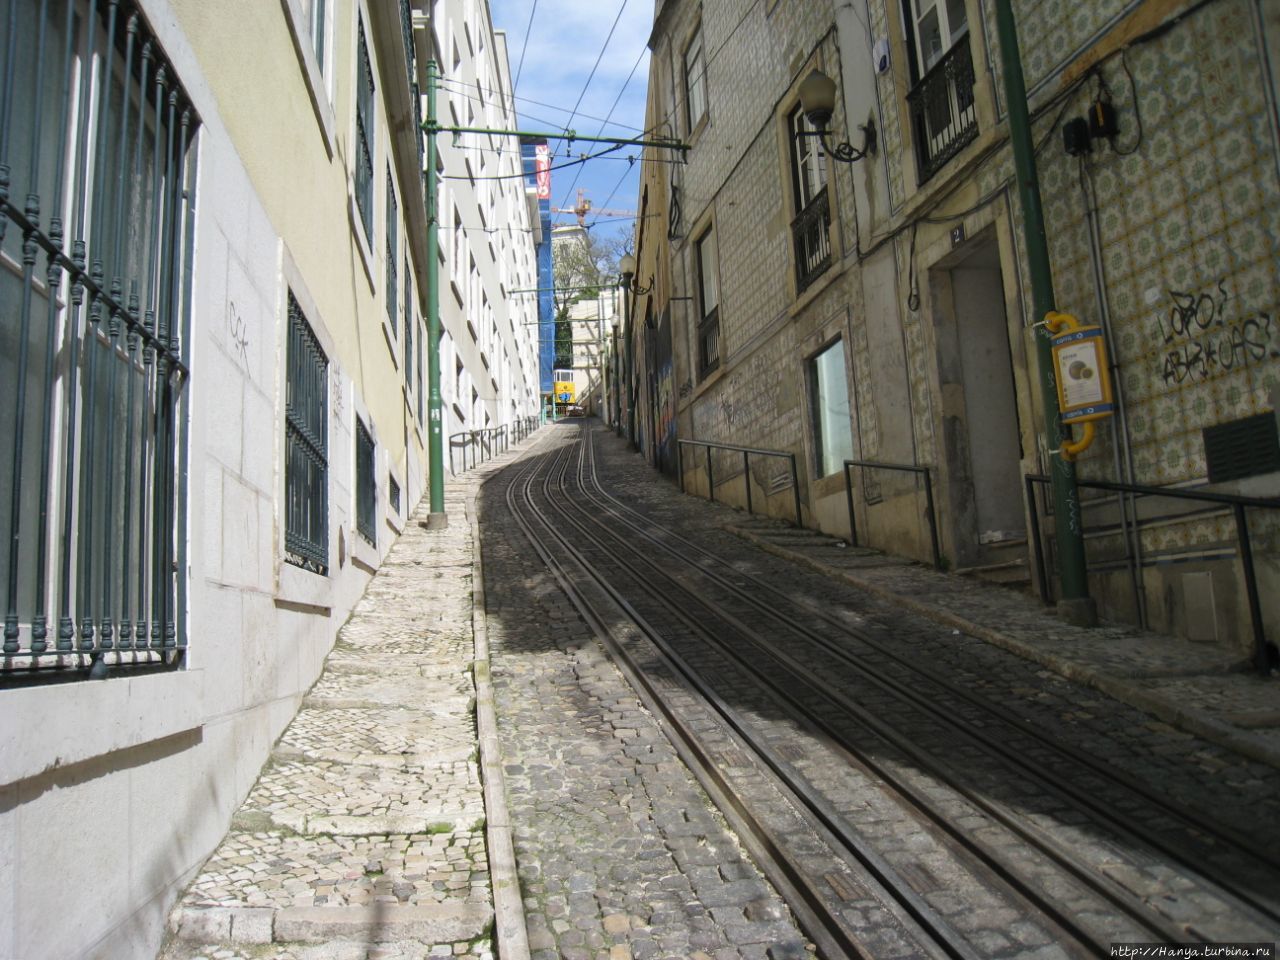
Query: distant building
(212, 338)
(591, 314)
(880, 310)
(537, 159)
(489, 220)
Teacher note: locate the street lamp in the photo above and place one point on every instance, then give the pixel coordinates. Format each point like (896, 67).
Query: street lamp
(818, 101)
(627, 268)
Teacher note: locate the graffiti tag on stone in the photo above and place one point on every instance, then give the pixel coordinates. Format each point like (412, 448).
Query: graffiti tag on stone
(239, 331)
(1203, 339)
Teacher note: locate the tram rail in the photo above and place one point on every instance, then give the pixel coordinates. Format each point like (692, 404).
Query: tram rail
(687, 592)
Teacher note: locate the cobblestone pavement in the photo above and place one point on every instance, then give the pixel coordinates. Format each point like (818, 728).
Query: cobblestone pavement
(621, 855)
(365, 836)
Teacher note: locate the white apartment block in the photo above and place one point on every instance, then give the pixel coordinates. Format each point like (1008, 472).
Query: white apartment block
(488, 228)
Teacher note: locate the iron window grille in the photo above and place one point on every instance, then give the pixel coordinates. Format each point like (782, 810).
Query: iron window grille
(364, 132)
(306, 476)
(408, 332)
(944, 118)
(366, 485)
(393, 494)
(96, 137)
(708, 304)
(393, 252)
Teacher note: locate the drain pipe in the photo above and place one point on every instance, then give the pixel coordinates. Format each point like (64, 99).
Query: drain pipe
(1121, 449)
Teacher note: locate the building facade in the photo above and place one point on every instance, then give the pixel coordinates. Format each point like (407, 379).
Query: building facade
(490, 231)
(212, 302)
(880, 310)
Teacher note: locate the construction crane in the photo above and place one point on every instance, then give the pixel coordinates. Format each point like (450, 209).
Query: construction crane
(583, 207)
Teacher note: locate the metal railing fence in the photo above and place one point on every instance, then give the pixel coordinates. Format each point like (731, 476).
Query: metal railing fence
(930, 510)
(746, 469)
(95, 137)
(944, 117)
(488, 442)
(1238, 505)
(810, 233)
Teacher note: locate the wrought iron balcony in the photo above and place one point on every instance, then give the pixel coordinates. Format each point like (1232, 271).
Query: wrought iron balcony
(709, 342)
(943, 115)
(811, 234)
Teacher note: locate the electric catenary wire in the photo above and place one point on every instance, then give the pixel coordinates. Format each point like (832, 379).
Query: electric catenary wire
(591, 76)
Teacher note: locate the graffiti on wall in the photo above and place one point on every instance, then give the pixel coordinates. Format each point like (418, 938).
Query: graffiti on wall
(1204, 335)
(752, 396)
(238, 330)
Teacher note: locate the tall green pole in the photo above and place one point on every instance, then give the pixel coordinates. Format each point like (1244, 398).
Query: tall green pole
(435, 438)
(1075, 604)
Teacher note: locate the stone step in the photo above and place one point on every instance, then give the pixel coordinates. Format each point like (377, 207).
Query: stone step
(377, 922)
(341, 825)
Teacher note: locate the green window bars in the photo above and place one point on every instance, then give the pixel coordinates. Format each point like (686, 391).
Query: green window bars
(366, 485)
(97, 182)
(306, 475)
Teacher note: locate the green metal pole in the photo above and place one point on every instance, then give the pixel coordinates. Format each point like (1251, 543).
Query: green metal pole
(435, 428)
(1075, 604)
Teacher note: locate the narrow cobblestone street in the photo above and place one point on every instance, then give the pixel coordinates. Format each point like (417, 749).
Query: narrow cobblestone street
(365, 835)
(371, 833)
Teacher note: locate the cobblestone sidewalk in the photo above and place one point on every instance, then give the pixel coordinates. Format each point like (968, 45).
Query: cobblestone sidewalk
(365, 836)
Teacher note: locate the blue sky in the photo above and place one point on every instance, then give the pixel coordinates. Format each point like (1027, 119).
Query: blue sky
(564, 40)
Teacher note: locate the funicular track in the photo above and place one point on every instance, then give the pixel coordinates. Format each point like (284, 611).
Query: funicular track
(860, 780)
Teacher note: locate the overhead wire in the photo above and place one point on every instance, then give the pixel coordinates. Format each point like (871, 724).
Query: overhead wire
(561, 166)
(463, 88)
(528, 31)
(631, 165)
(591, 76)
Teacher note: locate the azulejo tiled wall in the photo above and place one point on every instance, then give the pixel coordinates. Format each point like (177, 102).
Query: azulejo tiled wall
(1189, 224)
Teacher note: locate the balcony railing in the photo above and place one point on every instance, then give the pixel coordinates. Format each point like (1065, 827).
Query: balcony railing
(943, 115)
(709, 342)
(811, 233)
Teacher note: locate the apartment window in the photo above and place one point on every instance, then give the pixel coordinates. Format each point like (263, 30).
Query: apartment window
(306, 478)
(393, 494)
(811, 228)
(408, 328)
(708, 303)
(421, 393)
(315, 12)
(364, 132)
(695, 79)
(943, 114)
(366, 484)
(93, 335)
(936, 26)
(393, 252)
(829, 405)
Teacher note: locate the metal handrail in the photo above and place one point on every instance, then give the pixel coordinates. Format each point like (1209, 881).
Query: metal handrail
(746, 471)
(928, 497)
(487, 442)
(1237, 504)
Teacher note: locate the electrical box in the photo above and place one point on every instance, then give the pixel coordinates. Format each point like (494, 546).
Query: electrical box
(1075, 137)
